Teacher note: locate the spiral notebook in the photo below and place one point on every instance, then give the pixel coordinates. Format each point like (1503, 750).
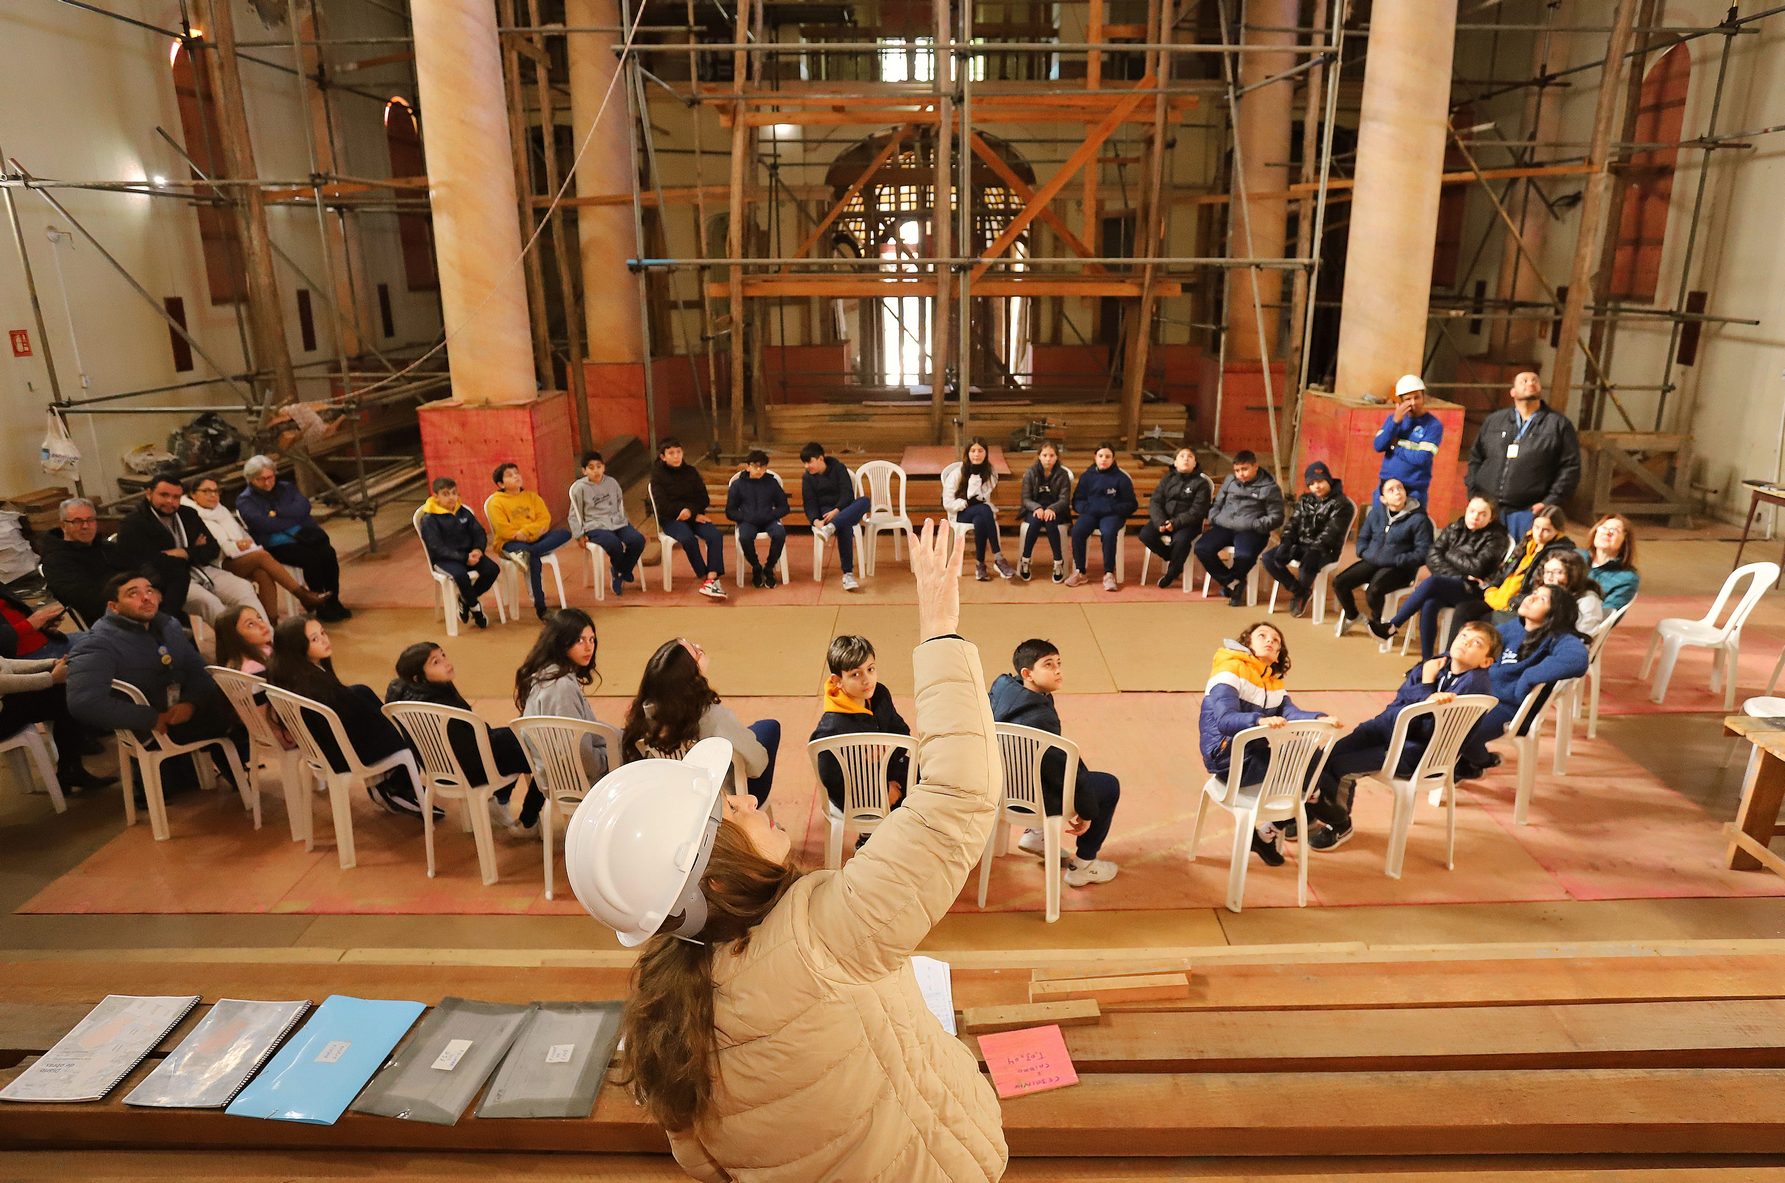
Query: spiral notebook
(216, 1061)
(105, 1047)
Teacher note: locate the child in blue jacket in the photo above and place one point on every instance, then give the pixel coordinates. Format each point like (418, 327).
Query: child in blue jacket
(756, 503)
(1100, 504)
(1245, 689)
(1540, 648)
(1392, 543)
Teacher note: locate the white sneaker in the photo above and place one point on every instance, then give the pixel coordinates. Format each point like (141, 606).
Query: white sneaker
(1083, 872)
(713, 588)
(824, 530)
(1109, 582)
(500, 818)
(1033, 842)
(851, 583)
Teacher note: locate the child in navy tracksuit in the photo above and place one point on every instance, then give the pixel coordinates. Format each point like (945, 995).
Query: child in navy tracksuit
(1100, 505)
(1540, 648)
(1439, 679)
(756, 503)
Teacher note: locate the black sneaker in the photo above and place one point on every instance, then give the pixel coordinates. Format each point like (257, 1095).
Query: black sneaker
(1381, 630)
(768, 578)
(1022, 570)
(1167, 579)
(478, 618)
(1270, 852)
(756, 577)
(1238, 597)
(1298, 606)
(1290, 831)
(465, 613)
(1327, 839)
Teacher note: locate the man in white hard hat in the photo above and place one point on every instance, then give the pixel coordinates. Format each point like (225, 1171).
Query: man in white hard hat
(1409, 440)
(775, 1027)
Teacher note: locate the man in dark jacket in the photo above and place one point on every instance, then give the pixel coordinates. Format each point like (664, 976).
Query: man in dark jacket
(1179, 505)
(755, 502)
(136, 642)
(679, 493)
(1313, 537)
(279, 518)
(76, 563)
(832, 506)
(1527, 456)
(455, 541)
(1246, 511)
(1027, 699)
(173, 541)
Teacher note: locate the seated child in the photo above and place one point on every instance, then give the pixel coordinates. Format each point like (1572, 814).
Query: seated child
(1439, 679)
(856, 703)
(1540, 647)
(756, 503)
(1313, 537)
(1028, 700)
(1245, 690)
(598, 515)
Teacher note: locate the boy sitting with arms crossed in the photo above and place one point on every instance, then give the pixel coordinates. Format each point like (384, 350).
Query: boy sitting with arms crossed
(1464, 670)
(855, 703)
(598, 515)
(1028, 700)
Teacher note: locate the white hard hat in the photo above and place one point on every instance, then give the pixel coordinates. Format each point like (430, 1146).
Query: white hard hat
(1407, 384)
(639, 842)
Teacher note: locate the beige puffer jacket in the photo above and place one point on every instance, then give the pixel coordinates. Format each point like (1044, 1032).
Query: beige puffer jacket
(830, 1067)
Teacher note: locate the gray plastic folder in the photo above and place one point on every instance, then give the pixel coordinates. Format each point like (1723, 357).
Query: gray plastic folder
(557, 1062)
(444, 1063)
(212, 1064)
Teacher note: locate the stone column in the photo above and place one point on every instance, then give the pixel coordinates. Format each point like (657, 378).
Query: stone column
(1394, 205)
(496, 412)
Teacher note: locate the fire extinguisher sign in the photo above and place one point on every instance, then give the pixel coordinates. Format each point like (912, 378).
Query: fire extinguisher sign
(21, 342)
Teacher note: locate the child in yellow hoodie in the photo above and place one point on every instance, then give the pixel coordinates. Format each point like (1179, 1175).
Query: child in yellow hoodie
(520, 524)
(855, 702)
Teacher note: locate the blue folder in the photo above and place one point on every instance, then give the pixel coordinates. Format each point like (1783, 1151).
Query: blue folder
(323, 1068)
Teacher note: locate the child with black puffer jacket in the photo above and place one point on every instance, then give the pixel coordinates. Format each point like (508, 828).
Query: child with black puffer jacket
(1175, 515)
(1047, 505)
(1313, 537)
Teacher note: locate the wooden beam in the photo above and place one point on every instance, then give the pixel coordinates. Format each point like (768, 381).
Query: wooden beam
(1021, 188)
(389, 59)
(985, 1020)
(878, 286)
(849, 115)
(1128, 989)
(1080, 155)
(886, 153)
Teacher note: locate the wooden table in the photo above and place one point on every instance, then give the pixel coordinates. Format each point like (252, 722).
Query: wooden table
(1757, 496)
(931, 459)
(1757, 819)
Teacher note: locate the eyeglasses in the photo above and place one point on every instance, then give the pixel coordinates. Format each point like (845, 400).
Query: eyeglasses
(80, 521)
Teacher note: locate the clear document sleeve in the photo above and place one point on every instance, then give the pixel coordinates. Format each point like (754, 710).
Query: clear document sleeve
(444, 1063)
(557, 1063)
(212, 1064)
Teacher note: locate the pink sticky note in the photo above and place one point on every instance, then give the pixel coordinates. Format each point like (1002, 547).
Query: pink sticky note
(1030, 1060)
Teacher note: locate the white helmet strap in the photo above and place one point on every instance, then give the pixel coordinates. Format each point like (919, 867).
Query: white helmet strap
(691, 905)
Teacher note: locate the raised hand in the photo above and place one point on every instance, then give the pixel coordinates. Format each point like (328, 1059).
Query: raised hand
(936, 561)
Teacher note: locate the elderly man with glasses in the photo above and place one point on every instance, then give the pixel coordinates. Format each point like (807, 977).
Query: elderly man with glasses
(278, 516)
(76, 563)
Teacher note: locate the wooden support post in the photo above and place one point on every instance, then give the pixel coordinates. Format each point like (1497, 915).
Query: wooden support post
(266, 321)
(1135, 988)
(1081, 155)
(1151, 240)
(942, 221)
(734, 226)
(567, 274)
(886, 153)
(1593, 207)
(523, 185)
(1088, 211)
(1021, 188)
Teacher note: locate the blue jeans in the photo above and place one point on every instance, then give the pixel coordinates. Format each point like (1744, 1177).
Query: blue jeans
(472, 581)
(768, 734)
(1434, 594)
(847, 519)
(1246, 546)
(1051, 529)
(984, 520)
(777, 535)
(688, 535)
(536, 550)
(1110, 525)
(623, 547)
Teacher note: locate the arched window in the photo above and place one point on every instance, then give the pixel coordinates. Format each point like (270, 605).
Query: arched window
(219, 231)
(1642, 230)
(402, 137)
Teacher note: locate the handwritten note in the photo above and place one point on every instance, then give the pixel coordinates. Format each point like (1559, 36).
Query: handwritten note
(935, 981)
(1029, 1060)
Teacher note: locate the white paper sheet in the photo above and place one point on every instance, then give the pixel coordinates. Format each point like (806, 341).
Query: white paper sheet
(936, 982)
(90, 1060)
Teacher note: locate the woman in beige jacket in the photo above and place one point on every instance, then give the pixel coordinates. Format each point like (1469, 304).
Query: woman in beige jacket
(776, 1028)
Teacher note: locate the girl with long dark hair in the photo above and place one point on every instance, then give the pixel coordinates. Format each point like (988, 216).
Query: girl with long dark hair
(1540, 646)
(244, 640)
(551, 678)
(676, 707)
(967, 493)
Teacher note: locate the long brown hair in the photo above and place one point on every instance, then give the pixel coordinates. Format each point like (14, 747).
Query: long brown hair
(550, 656)
(1626, 553)
(672, 1046)
(677, 694)
(1279, 667)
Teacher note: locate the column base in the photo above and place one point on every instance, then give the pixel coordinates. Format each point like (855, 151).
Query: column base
(466, 441)
(1341, 429)
(617, 393)
(1243, 424)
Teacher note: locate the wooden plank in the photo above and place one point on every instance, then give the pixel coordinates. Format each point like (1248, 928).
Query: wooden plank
(1112, 969)
(886, 153)
(1116, 990)
(1023, 190)
(983, 1020)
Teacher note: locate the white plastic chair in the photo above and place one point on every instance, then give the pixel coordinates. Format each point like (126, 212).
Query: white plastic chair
(266, 752)
(737, 539)
(554, 746)
(1589, 685)
(1435, 771)
(883, 482)
(36, 749)
(1021, 750)
(1526, 728)
(1065, 524)
(446, 588)
(443, 777)
(1251, 579)
(520, 571)
(1298, 752)
(291, 709)
(1322, 578)
(1676, 633)
(1446, 617)
(147, 756)
(867, 799)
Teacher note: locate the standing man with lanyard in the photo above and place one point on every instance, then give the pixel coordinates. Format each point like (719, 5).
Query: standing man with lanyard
(1409, 441)
(1526, 457)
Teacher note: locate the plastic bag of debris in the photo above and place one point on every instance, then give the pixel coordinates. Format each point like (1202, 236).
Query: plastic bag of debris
(205, 442)
(58, 452)
(147, 458)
